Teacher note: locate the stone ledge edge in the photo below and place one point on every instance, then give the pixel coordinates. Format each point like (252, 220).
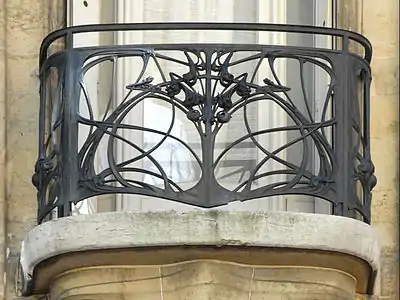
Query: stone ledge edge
(197, 228)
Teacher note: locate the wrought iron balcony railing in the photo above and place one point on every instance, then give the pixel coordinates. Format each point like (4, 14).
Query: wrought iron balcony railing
(205, 124)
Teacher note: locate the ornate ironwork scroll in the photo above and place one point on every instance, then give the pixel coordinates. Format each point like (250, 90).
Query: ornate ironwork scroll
(204, 89)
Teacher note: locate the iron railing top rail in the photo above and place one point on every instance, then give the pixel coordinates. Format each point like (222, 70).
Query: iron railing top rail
(267, 27)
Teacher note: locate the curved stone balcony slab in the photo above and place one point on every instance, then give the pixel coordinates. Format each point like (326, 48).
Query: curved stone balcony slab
(254, 240)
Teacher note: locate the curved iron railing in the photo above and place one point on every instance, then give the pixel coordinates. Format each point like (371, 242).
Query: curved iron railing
(329, 136)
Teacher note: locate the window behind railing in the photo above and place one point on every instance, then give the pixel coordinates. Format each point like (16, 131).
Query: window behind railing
(307, 82)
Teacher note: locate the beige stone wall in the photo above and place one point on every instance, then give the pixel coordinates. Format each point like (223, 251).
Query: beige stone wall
(2, 146)
(24, 28)
(23, 24)
(381, 24)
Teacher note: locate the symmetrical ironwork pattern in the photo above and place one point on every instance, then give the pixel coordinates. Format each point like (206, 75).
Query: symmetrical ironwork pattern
(204, 89)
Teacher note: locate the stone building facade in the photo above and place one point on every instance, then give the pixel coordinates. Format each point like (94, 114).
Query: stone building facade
(23, 25)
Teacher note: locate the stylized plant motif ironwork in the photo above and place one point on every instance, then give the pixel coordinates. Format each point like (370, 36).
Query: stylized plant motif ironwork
(211, 95)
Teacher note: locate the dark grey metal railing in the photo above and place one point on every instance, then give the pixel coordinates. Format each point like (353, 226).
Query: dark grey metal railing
(329, 135)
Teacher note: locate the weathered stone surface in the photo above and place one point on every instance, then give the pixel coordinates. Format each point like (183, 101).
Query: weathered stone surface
(262, 229)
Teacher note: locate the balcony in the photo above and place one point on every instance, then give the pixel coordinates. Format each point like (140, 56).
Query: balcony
(205, 125)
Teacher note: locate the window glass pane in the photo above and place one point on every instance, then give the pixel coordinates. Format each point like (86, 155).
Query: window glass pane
(308, 87)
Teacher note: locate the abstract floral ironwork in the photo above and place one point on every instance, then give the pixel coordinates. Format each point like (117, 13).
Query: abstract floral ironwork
(333, 144)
